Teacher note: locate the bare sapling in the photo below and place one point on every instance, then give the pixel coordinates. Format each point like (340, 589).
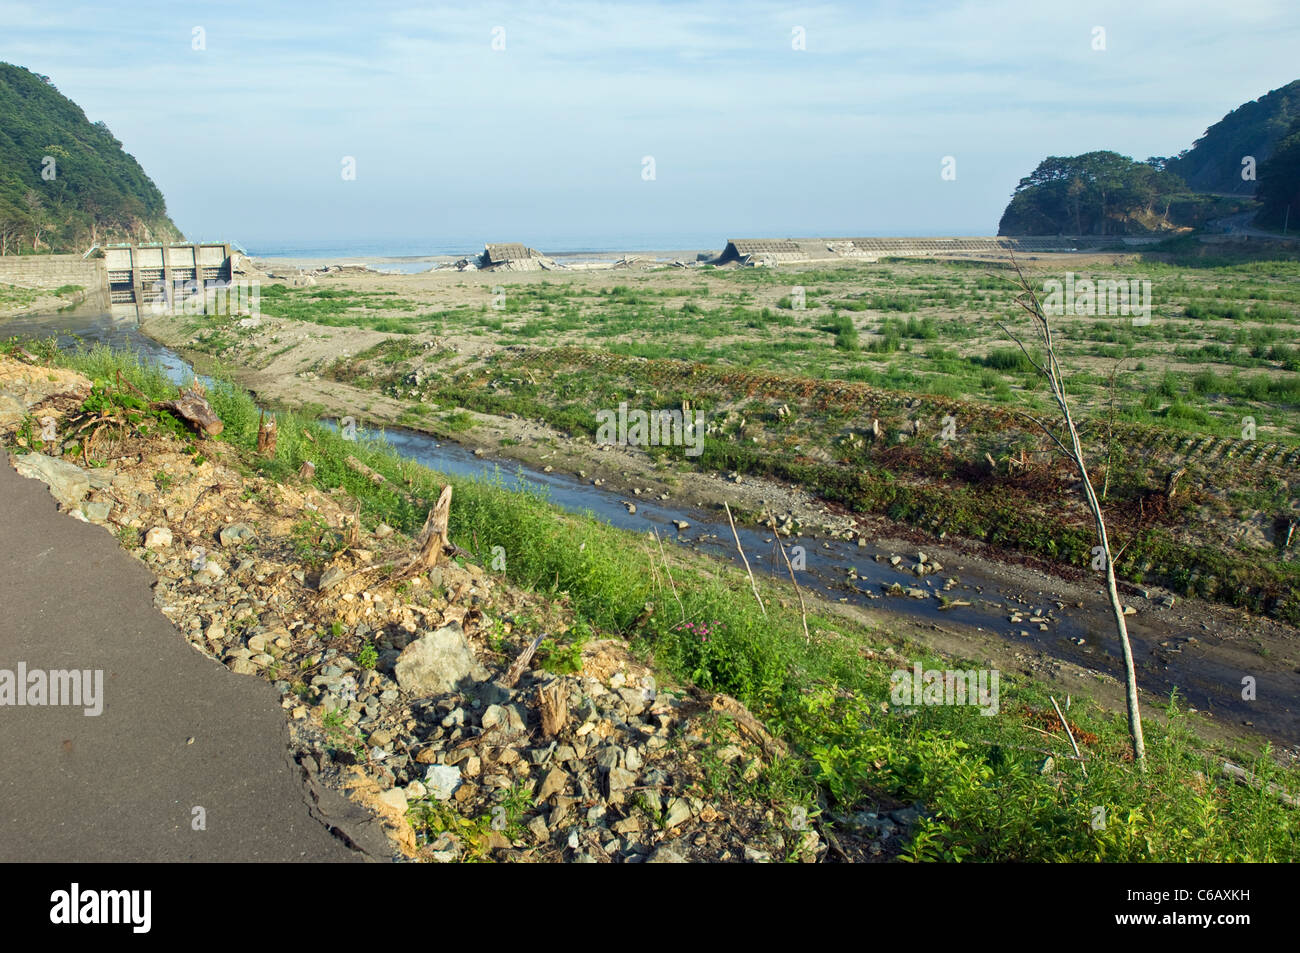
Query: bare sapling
(1071, 446)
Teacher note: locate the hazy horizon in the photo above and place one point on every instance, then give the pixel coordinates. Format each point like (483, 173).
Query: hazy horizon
(544, 140)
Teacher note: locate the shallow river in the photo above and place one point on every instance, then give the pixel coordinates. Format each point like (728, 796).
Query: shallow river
(1203, 681)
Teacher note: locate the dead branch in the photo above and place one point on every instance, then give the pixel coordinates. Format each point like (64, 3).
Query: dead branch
(521, 662)
(1069, 734)
(1244, 777)
(752, 585)
(803, 607)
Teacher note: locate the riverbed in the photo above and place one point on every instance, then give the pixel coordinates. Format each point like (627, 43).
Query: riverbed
(1203, 651)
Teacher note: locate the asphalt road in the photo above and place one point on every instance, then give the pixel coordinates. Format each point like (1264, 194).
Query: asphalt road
(129, 784)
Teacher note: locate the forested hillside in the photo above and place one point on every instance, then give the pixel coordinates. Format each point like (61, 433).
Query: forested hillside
(1105, 193)
(65, 182)
(1214, 163)
(1239, 159)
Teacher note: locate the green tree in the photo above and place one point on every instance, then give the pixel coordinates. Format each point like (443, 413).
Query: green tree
(1279, 184)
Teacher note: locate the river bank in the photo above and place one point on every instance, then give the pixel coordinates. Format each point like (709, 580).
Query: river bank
(596, 573)
(1199, 648)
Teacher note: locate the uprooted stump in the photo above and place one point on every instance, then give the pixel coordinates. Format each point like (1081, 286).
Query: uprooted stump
(433, 542)
(192, 407)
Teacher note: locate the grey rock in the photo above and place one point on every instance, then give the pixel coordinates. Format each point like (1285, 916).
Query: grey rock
(330, 578)
(209, 574)
(506, 718)
(905, 816)
(442, 780)
(446, 849)
(12, 410)
(237, 533)
(619, 779)
(634, 698)
(554, 783)
(541, 755)
(68, 483)
(666, 855)
(537, 827)
(679, 812)
(97, 512)
(438, 663)
(160, 537)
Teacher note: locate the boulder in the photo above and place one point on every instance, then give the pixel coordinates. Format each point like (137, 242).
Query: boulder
(438, 663)
(68, 483)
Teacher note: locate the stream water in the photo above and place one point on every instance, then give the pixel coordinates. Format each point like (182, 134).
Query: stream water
(1078, 635)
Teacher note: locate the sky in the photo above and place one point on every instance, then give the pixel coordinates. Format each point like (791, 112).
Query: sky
(650, 124)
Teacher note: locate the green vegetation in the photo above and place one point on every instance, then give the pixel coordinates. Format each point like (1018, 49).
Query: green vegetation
(1211, 383)
(1105, 193)
(1279, 183)
(987, 793)
(1213, 164)
(65, 182)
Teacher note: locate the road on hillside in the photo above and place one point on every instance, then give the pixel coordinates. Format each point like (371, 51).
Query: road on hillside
(185, 761)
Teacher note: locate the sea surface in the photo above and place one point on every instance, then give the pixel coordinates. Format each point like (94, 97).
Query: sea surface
(414, 254)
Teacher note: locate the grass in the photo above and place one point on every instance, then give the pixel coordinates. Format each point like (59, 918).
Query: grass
(927, 331)
(986, 796)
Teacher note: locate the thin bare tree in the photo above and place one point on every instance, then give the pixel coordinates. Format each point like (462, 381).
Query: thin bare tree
(1050, 369)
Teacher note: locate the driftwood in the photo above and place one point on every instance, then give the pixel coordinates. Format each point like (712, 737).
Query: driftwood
(378, 479)
(192, 407)
(1242, 776)
(266, 434)
(1171, 482)
(554, 702)
(517, 667)
(749, 725)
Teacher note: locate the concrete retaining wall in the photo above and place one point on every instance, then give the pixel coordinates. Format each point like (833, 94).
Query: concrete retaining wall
(53, 271)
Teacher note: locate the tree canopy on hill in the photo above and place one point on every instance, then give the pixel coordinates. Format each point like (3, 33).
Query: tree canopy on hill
(1098, 193)
(1214, 163)
(1279, 184)
(66, 183)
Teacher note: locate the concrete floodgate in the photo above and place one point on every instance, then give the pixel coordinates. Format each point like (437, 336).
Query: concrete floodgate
(185, 760)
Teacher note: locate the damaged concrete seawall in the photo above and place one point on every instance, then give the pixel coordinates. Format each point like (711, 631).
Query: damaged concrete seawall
(53, 271)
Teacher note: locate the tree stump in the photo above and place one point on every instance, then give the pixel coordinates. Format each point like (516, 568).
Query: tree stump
(266, 435)
(193, 408)
(433, 541)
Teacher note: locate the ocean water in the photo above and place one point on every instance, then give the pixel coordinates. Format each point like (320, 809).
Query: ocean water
(395, 250)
